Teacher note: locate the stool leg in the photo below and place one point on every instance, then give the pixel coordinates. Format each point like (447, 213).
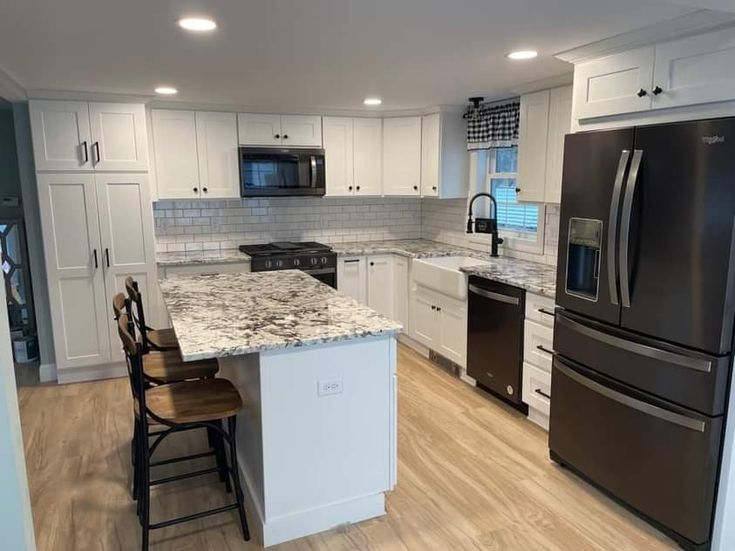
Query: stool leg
(145, 491)
(235, 471)
(216, 442)
(134, 446)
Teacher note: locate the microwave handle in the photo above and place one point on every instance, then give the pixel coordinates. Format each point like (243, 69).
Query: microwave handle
(312, 163)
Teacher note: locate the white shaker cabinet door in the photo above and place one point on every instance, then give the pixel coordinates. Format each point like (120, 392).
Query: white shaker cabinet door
(560, 121)
(119, 137)
(74, 269)
(175, 145)
(425, 318)
(61, 137)
(453, 331)
(368, 156)
(402, 156)
(301, 130)
(259, 129)
(430, 155)
(219, 175)
(352, 277)
(380, 284)
(126, 229)
(532, 133)
(338, 149)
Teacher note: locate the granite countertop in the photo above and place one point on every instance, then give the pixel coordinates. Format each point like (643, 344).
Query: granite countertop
(220, 256)
(532, 276)
(239, 313)
(412, 248)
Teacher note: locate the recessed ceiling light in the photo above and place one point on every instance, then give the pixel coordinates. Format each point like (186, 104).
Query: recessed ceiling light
(197, 24)
(523, 54)
(373, 101)
(166, 90)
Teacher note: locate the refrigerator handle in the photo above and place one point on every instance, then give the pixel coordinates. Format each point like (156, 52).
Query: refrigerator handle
(612, 229)
(630, 185)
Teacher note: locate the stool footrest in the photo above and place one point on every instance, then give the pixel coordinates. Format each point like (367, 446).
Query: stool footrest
(188, 475)
(183, 458)
(195, 516)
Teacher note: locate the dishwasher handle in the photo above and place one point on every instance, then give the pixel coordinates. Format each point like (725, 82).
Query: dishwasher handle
(494, 296)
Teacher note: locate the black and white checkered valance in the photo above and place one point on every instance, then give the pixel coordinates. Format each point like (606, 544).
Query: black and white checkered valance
(493, 125)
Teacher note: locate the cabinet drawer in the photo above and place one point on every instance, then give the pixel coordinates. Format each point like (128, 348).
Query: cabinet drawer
(540, 309)
(535, 336)
(537, 388)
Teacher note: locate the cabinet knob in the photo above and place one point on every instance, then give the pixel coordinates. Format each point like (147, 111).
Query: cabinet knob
(195, 190)
(204, 190)
(641, 93)
(358, 188)
(433, 307)
(350, 188)
(518, 190)
(372, 263)
(415, 188)
(438, 309)
(285, 136)
(433, 187)
(657, 90)
(277, 136)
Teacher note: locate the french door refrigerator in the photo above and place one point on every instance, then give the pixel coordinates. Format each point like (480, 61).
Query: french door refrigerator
(644, 325)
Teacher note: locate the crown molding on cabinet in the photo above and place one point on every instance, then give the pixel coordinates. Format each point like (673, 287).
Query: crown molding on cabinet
(693, 23)
(78, 95)
(546, 84)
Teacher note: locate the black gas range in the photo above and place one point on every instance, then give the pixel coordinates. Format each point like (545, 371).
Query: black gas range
(313, 258)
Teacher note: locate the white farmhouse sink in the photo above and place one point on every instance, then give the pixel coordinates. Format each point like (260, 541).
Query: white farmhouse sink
(442, 274)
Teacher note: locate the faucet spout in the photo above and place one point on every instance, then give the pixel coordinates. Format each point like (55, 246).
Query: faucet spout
(493, 222)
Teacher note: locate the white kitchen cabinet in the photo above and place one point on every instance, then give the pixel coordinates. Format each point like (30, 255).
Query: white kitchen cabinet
(216, 141)
(61, 135)
(402, 156)
(380, 284)
(538, 342)
(619, 83)
(352, 277)
(560, 122)
(694, 70)
(440, 323)
(368, 156)
(175, 148)
(339, 156)
(97, 230)
(532, 134)
(401, 290)
(537, 394)
(279, 130)
(444, 158)
(424, 318)
(84, 136)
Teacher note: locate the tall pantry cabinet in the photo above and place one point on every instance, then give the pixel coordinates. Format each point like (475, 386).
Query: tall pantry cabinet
(97, 223)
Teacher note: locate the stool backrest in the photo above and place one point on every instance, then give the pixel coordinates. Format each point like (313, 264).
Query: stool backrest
(120, 305)
(131, 286)
(134, 357)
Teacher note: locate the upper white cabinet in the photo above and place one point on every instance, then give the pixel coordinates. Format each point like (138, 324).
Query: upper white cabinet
(84, 136)
(444, 158)
(402, 156)
(279, 130)
(368, 156)
(196, 154)
(339, 156)
(614, 84)
(679, 73)
(545, 119)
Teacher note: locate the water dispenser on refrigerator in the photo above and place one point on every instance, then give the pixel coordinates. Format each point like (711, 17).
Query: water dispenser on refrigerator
(583, 258)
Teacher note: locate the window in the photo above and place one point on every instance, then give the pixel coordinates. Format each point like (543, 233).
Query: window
(502, 174)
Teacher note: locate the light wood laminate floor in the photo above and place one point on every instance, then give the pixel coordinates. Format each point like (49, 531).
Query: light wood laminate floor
(473, 474)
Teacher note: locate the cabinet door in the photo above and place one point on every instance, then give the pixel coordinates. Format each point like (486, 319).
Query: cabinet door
(301, 130)
(430, 154)
(61, 138)
(560, 122)
(695, 70)
(119, 139)
(402, 156)
(73, 253)
(126, 228)
(400, 290)
(532, 133)
(380, 284)
(610, 85)
(453, 331)
(217, 152)
(339, 155)
(368, 156)
(352, 277)
(259, 129)
(175, 149)
(424, 318)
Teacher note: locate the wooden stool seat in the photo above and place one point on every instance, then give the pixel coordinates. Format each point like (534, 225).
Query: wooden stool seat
(168, 367)
(193, 401)
(163, 338)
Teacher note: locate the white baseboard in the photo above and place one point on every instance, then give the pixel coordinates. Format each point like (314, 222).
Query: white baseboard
(541, 419)
(47, 373)
(91, 373)
(413, 344)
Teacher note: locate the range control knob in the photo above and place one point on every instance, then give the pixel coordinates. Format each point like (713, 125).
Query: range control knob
(323, 260)
(313, 261)
(268, 264)
(296, 262)
(279, 263)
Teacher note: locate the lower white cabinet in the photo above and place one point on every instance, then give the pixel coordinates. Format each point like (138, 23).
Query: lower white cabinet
(97, 230)
(380, 285)
(352, 277)
(537, 357)
(537, 394)
(401, 291)
(440, 323)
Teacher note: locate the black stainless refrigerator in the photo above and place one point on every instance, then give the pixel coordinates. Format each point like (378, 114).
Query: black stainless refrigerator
(644, 325)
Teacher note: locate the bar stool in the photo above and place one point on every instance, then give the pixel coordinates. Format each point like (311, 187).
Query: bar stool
(179, 406)
(152, 339)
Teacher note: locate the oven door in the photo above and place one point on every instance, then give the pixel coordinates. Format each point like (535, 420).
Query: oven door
(277, 172)
(325, 275)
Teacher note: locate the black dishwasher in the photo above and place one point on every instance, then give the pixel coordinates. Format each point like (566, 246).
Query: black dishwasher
(495, 338)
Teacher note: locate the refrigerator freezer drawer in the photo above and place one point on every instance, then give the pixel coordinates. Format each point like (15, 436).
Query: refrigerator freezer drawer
(691, 379)
(658, 458)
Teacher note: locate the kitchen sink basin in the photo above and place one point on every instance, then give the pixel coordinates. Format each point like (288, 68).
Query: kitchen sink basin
(442, 274)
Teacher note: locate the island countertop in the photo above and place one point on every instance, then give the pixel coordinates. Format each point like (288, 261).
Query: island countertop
(239, 313)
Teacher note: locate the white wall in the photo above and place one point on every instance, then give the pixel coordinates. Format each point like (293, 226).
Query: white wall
(724, 532)
(16, 522)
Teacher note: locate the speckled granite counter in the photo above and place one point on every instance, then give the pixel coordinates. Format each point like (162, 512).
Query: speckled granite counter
(231, 314)
(531, 276)
(223, 256)
(412, 248)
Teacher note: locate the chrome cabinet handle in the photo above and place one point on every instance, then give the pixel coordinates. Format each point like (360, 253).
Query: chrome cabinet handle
(627, 212)
(612, 229)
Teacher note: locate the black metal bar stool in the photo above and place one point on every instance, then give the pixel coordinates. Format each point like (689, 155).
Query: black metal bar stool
(179, 406)
(151, 339)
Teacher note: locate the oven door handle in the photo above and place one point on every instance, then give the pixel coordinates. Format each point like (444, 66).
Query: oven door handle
(319, 271)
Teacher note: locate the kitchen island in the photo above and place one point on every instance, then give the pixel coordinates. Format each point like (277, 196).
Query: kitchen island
(316, 370)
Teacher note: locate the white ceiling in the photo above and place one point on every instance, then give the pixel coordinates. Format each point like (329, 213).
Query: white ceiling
(312, 54)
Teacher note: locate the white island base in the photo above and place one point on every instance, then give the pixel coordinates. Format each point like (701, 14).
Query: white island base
(317, 436)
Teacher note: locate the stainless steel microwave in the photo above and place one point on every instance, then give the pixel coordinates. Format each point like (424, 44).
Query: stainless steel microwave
(272, 172)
